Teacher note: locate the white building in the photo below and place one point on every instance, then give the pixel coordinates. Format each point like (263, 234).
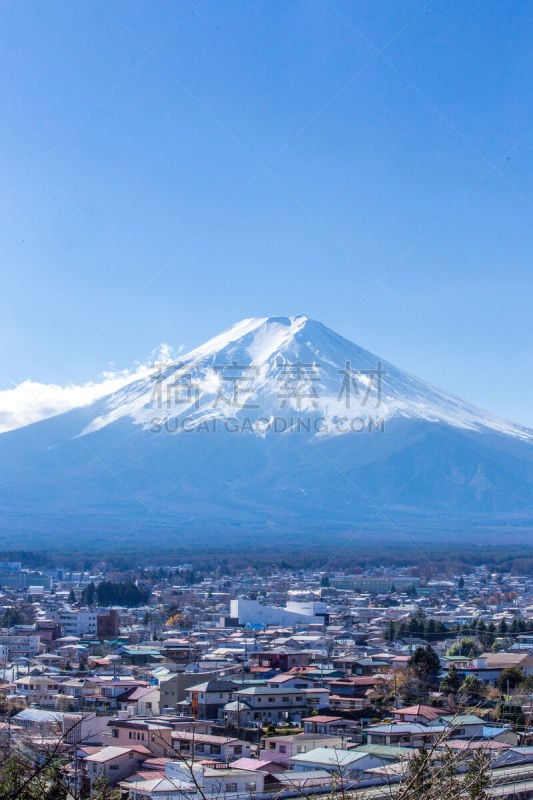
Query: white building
(271, 705)
(312, 612)
(39, 689)
(83, 622)
(185, 781)
(20, 644)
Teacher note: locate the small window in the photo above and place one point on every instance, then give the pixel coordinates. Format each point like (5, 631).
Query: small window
(114, 733)
(231, 787)
(282, 748)
(251, 786)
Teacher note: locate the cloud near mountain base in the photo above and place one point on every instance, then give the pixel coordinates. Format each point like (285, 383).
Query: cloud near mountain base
(31, 401)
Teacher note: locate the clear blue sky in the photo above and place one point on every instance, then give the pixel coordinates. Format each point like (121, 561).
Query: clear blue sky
(168, 168)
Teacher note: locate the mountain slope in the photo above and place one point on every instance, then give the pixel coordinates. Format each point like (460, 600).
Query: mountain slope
(269, 367)
(276, 425)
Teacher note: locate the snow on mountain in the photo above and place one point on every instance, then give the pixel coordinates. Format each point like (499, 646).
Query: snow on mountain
(291, 369)
(377, 450)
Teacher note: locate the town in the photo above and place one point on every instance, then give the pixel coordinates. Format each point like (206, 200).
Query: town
(169, 683)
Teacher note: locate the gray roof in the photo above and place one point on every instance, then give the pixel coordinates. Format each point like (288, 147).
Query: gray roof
(460, 719)
(214, 686)
(237, 705)
(403, 727)
(330, 756)
(39, 715)
(274, 690)
(387, 751)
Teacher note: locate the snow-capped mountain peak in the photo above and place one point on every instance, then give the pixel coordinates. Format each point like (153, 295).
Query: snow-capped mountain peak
(141, 461)
(269, 368)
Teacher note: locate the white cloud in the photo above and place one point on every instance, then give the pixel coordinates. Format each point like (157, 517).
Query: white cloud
(31, 401)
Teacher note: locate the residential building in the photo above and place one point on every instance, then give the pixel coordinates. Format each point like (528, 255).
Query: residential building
(190, 744)
(280, 749)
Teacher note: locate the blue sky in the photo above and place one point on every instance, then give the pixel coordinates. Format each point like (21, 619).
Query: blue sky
(168, 168)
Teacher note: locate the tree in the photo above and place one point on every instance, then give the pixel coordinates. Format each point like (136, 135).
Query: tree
(420, 777)
(418, 624)
(472, 689)
(88, 594)
(502, 627)
(527, 685)
(121, 593)
(448, 777)
(477, 777)
(512, 714)
(103, 791)
(490, 635)
(509, 678)
(23, 614)
(465, 646)
(439, 774)
(424, 664)
(26, 774)
(410, 689)
(451, 682)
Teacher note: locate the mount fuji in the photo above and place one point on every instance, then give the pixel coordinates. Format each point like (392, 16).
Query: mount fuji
(277, 427)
